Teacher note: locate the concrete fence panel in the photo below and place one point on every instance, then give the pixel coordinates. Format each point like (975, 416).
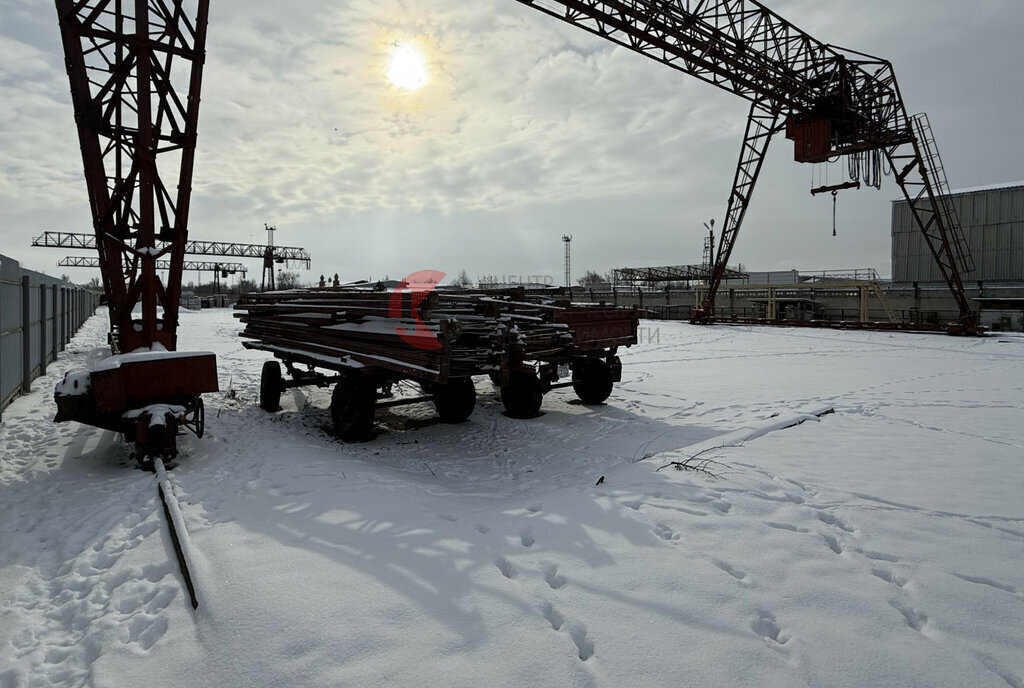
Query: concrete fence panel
(38, 316)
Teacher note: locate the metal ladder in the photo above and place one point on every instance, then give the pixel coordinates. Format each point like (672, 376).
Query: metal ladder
(880, 293)
(936, 172)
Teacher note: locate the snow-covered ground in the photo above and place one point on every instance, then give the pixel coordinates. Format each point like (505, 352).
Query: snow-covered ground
(882, 545)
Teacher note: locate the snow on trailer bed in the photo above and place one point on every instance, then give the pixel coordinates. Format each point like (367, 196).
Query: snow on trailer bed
(878, 545)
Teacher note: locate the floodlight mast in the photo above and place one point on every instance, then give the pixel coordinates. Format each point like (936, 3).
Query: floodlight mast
(133, 122)
(830, 101)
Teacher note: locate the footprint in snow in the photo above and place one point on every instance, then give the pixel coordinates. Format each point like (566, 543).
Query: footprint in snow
(766, 626)
(728, 568)
(578, 633)
(505, 566)
(828, 519)
(915, 619)
(526, 536)
(552, 615)
(145, 629)
(159, 600)
(665, 532)
(832, 543)
(889, 576)
(551, 576)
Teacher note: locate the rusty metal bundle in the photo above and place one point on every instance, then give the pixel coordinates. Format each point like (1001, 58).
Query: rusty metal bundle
(350, 328)
(440, 339)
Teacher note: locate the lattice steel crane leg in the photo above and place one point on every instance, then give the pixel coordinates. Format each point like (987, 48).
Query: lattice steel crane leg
(940, 230)
(761, 124)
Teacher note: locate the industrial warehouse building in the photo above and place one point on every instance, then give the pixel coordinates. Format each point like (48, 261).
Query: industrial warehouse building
(992, 218)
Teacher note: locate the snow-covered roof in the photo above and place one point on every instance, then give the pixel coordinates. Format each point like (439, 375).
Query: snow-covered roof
(987, 187)
(976, 189)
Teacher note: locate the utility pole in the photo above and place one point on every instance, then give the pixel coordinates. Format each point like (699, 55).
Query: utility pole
(567, 240)
(268, 258)
(709, 246)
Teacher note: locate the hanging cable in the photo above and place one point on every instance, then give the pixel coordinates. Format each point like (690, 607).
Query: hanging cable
(835, 197)
(866, 167)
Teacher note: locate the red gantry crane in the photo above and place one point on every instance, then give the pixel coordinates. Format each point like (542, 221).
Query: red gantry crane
(135, 68)
(830, 101)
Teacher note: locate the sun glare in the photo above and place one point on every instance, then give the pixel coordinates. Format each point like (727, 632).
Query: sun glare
(406, 68)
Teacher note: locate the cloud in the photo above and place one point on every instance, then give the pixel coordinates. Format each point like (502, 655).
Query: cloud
(528, 126)
(515, 114)
(35, 113)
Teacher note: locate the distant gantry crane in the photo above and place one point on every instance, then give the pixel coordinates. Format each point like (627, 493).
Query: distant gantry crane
(267, 253)
(270, 254)
(829, 101)
(222, 269)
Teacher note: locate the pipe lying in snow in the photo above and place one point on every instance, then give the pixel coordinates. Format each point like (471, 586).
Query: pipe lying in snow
(176, 522)
(778, 421)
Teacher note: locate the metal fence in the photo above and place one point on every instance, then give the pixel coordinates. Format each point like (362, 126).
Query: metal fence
(38, 316)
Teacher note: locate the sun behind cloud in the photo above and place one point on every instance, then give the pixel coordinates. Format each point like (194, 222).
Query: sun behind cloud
(407, 68)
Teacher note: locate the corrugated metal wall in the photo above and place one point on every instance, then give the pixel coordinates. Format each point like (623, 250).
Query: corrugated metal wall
(993, 224)
(38, 315)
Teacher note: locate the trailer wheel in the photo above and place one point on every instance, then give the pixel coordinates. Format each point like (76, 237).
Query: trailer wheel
(198, 417)
(270, 386)
(455, 401)
(352, 406)
(522, 396)
(592, 381)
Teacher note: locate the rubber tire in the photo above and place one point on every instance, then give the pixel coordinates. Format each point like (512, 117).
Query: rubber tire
(592, 382)
(199, 417)
(352, 409)
(270, 386)
(456, 400)
(522, 396)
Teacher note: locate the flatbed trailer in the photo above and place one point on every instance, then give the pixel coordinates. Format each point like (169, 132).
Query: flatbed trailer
(371, 341)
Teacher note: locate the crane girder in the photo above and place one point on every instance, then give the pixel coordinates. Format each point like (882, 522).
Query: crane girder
(743, 47)
(833, 101)
(188, 266)
(76, 240)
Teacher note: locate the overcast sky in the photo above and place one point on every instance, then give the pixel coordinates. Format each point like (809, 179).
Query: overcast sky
(527, 130)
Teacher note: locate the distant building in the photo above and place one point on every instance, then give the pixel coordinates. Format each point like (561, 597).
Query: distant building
(773, 277)
(992, 218)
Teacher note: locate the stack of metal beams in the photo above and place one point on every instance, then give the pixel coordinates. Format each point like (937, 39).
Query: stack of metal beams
(432, 335)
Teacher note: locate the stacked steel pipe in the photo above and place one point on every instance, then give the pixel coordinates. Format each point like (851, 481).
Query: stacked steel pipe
(431, 336)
